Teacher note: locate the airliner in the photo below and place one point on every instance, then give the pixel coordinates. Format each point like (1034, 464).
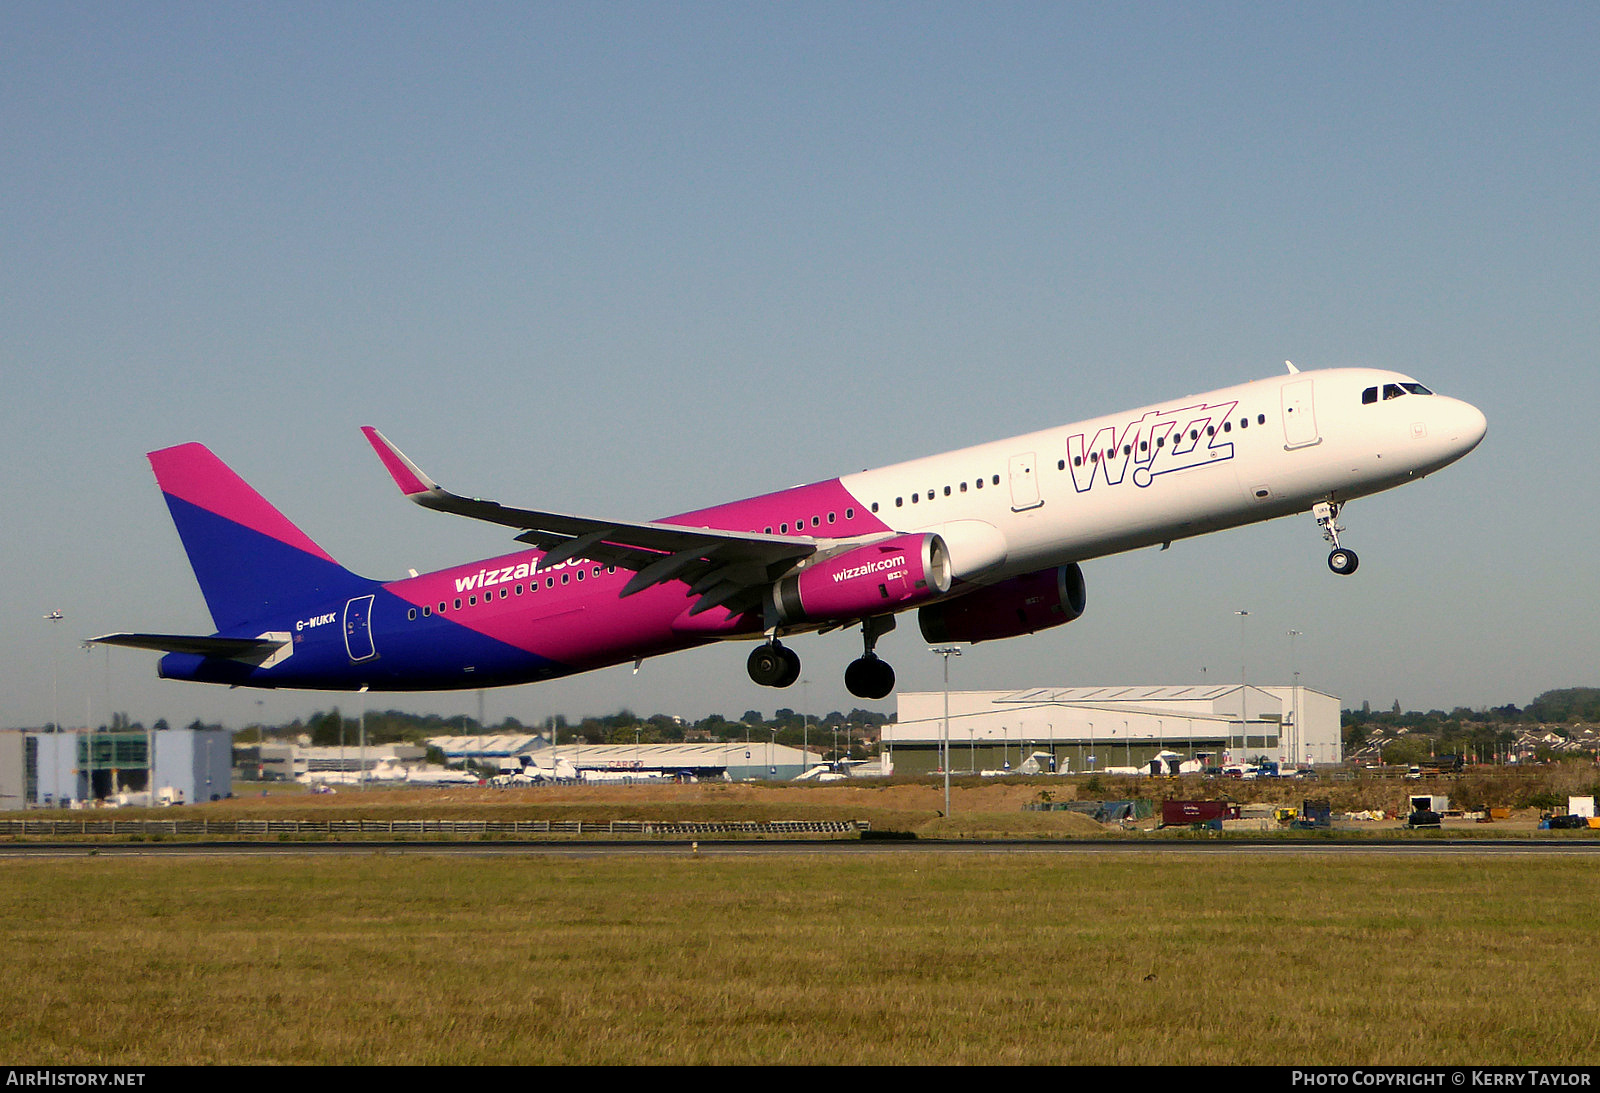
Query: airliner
(983, 543)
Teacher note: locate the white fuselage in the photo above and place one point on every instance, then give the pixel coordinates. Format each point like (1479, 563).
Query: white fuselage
(1235, 456)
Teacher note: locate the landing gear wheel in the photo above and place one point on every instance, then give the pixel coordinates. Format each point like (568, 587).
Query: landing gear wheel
(773, 665)
(869, 677)
(791, 667)
(1343, 562)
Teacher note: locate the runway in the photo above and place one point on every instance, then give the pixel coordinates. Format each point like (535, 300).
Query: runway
(755, 848)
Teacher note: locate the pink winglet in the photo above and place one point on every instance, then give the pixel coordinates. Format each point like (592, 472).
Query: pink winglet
(405, 473)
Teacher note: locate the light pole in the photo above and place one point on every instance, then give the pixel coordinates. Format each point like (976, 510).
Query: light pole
(946, 651)
(1294, 703)
(1244, 723)
(805, 727)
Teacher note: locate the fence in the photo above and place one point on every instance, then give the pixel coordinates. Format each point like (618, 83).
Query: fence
(203, 828)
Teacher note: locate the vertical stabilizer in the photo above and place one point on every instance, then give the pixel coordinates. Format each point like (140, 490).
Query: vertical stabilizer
(249, 559)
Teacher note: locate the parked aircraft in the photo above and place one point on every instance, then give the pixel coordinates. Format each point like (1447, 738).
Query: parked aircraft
(984, 543)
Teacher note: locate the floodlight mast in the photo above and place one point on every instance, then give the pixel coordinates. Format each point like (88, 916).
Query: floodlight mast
(946, 651)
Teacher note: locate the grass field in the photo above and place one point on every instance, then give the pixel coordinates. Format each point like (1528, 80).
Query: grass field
(1108, 958)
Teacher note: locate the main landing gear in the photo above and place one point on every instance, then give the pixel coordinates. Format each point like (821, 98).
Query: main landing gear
(773, 664)
(1341, 560)
(867, 676)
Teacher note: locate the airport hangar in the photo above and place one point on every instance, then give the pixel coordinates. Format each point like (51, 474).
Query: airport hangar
(739, 761)
(1088, 729)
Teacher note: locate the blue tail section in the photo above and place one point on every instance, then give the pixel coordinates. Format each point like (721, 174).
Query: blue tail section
(250, 561)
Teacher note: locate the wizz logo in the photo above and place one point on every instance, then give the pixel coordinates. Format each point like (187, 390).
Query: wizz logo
(1159, 442)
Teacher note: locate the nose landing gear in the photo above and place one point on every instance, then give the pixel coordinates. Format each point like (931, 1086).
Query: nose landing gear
(1341, 560)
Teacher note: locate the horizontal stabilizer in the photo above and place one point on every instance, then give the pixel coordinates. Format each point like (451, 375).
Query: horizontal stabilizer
(253, 650)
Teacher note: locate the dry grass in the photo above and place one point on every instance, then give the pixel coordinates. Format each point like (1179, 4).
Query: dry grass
(1181, 958)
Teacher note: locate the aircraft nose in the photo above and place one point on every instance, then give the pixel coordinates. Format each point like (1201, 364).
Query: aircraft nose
(1468, 426)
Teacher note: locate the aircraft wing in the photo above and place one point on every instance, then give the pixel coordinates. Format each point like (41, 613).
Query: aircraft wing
(722, 567)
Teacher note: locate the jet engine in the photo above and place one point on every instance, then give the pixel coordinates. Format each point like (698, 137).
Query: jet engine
(875, 579)
(1019, 605)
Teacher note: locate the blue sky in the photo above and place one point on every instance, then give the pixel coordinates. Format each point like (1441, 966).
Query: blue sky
(632, 259)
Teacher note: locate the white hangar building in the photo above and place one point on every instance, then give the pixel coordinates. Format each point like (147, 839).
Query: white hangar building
(1095, 728)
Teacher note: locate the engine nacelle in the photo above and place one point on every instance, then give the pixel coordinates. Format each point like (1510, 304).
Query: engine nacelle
(875, 579)
(1020, 605)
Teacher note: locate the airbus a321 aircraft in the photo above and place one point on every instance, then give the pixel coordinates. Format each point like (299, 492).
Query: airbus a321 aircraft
(984, 543)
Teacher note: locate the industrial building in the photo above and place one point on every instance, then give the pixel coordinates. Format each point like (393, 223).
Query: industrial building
(1083, 729)
(71, 769)
(737, 761)
(293, 763)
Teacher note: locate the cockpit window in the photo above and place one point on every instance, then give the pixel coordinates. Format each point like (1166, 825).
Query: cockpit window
(1393, 390)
